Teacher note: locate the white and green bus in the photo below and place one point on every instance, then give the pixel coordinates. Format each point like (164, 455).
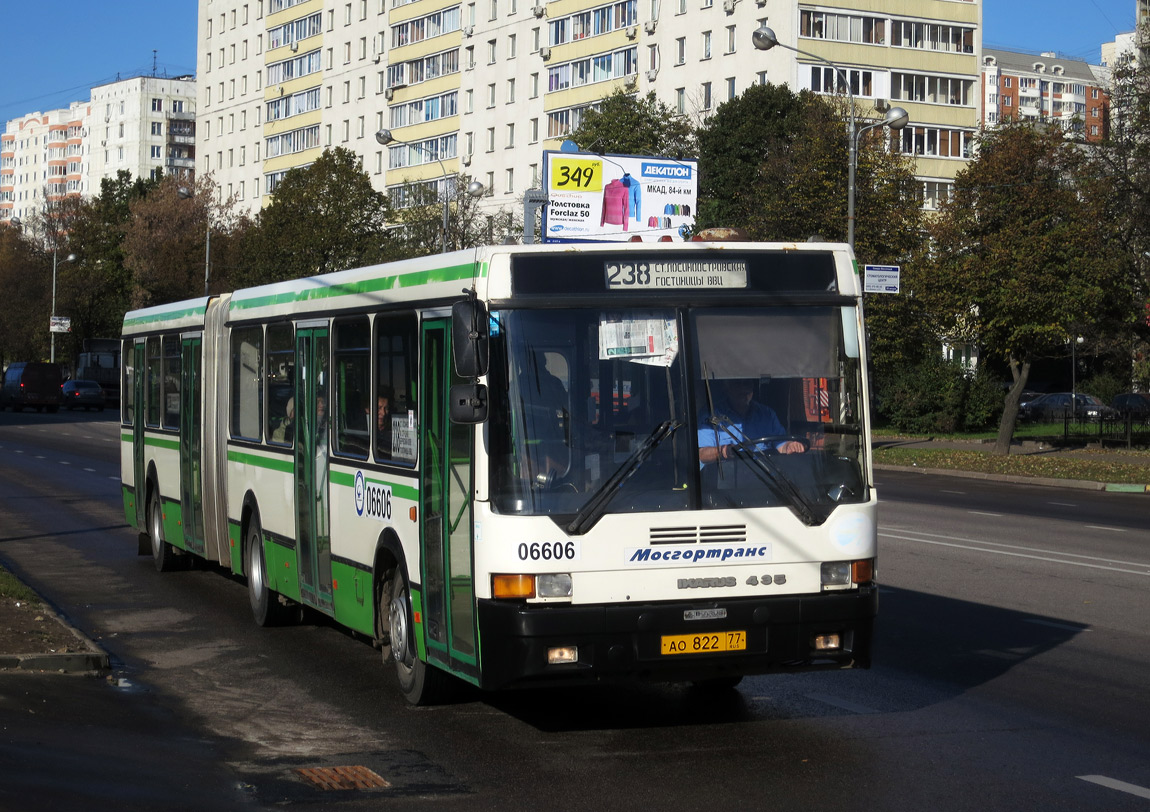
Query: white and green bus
(526, 465)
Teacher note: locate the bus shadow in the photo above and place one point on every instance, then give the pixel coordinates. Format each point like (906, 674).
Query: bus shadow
(929, 649)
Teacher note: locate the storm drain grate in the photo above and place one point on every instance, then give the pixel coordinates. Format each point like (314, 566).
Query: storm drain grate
(342, 777)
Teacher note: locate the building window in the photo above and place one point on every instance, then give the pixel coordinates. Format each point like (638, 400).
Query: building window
(680, 50)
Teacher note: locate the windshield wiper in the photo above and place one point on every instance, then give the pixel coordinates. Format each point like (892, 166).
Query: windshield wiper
(594, 507)
(769, 472)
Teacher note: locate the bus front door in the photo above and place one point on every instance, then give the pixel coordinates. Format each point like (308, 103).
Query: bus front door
(446, 524)
(313, 519)
(191, 442)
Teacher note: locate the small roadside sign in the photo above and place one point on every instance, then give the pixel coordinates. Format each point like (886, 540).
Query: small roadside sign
(60, 324)
(881, 278)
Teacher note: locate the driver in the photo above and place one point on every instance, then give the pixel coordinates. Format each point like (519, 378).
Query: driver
(750, 420)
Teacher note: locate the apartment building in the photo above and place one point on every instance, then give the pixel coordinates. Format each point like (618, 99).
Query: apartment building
(142, 125)
(485, 86)
(1045, 87)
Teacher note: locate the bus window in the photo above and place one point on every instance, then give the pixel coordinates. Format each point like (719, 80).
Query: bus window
(171, 347)
(353, 410)
(247, 377)
(154, 389)
(396, 340)
(128, 386)
(281, 383)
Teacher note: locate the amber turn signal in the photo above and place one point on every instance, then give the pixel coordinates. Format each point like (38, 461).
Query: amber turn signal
(513, 586)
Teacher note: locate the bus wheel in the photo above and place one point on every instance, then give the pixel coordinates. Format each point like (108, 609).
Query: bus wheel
(266, 607)
(420, 683)
(163, 556)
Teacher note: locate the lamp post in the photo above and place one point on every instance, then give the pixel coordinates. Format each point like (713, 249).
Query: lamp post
(187, 194)
(474, 189)
(51, 326)
(896, 118)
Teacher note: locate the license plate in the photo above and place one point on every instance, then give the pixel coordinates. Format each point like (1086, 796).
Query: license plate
(703, 643)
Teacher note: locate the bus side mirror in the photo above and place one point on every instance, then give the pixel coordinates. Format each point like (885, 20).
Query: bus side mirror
(468, 403)
(469, 337)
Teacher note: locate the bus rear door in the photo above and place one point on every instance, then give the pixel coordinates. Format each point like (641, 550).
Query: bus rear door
(313, 519)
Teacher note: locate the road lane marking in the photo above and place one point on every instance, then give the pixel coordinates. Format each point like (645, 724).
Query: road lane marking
(1064, 504)
(1111, 529)
(1114, 783)
(65, 462)
(1064, 626)
(90, 470)
(1145, 571)
(961, 493)
(981, 513)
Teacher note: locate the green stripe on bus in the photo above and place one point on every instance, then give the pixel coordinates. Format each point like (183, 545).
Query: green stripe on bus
(159, 442)
(167, 315)
(271, 463)
(348, 481)
(374, 285)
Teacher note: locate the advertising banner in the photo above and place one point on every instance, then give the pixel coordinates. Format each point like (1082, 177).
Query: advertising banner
(614, 198)
(59, 324)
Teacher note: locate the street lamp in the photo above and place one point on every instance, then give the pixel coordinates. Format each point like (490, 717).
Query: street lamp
(474, 189)
(51, 325)
(896, 118)
(187, 194)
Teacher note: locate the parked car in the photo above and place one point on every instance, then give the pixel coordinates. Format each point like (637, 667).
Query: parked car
(88, 394)
(1133, 404)
(1057, 406)
(31, 383)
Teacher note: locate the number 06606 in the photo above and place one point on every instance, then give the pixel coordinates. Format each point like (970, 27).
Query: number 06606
(549, 551)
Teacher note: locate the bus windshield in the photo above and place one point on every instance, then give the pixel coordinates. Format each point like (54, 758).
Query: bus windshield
(656, 409)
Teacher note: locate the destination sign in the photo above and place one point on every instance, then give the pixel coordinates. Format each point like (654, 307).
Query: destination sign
(676, 274)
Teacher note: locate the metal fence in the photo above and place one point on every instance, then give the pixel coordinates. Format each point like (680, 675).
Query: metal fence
(1126, 431)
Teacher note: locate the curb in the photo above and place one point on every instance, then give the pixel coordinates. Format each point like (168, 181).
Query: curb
(1077, 484)
(92, 661)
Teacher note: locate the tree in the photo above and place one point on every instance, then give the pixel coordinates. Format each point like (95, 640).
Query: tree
(325, 217)
(95, 289)
(1023, 255)
(25, 283)
(420, 230)
(627, 124)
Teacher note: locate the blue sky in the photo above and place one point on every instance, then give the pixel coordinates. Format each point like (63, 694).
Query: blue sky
(55, 50)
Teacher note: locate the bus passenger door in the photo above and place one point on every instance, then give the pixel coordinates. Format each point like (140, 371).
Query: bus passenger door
(313, 523)
(137, 384)
(445, 492)
(191, 441)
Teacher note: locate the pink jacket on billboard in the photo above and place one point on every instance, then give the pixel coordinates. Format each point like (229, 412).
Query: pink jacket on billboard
(616, 200)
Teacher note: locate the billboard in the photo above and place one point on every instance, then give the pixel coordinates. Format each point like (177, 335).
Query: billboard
(614, 198)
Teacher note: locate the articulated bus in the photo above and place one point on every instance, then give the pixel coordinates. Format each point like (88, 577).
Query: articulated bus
(526, 465)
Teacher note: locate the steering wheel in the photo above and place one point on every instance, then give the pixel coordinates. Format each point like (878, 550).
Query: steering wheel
(771, 442)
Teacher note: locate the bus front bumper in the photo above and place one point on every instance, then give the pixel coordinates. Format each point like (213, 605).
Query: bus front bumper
(617, 642)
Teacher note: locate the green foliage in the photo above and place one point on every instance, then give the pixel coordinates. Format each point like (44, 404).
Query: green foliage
(1024, 255)
(938, 396)
(627, 124)
(322, 218)
(1104, 386)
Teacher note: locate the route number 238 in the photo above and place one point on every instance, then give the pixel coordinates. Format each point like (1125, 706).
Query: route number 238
(575, 176)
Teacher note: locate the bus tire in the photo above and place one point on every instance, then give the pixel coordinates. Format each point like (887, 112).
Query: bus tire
(163, 555)
(266, 607)
(420, 683)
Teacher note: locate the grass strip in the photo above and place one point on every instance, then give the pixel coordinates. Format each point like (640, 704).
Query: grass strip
(1037, 465)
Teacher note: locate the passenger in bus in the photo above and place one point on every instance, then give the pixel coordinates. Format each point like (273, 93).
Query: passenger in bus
(383, 424)
(749, 420)
(285, 431)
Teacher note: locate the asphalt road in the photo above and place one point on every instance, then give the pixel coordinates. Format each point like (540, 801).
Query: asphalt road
(1010, 673)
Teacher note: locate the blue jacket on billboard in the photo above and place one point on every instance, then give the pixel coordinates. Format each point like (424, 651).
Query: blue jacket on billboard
(636, 196)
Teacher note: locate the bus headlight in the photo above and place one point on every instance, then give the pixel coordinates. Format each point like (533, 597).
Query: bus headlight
(557, 585)
(836, 574)
(844, 574)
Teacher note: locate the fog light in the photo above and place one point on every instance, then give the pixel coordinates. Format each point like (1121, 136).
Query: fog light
(562, 654)
(827, 642)
(836, 573)
(557, 585)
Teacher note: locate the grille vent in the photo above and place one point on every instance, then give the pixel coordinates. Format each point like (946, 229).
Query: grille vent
(723, 533)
